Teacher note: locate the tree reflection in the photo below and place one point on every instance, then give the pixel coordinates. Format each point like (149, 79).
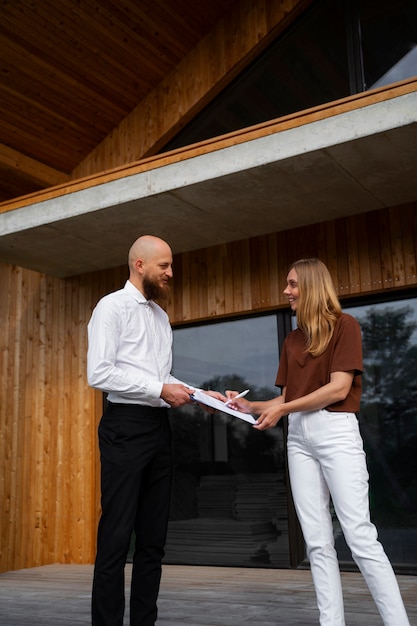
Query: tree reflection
(248, 450)
(229, 501)
(389, 413)
(219, 444)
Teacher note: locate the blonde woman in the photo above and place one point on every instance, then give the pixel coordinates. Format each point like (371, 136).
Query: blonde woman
(320, 377)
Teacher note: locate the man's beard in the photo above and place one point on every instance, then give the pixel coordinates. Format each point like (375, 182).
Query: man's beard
(152, 290)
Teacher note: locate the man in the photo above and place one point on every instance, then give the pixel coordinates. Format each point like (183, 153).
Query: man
(129, 357)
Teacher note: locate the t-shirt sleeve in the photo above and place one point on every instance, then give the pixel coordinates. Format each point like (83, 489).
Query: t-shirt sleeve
(347, 355)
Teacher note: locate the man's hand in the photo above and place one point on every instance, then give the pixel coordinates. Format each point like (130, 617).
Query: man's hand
(213, 394)
(176, 394)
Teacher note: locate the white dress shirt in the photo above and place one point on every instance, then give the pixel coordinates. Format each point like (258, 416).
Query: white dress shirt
(130, 348)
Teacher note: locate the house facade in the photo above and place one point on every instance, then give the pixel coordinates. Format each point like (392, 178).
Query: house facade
(289, 131)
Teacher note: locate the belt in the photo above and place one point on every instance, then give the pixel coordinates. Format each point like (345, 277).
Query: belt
(139, 409)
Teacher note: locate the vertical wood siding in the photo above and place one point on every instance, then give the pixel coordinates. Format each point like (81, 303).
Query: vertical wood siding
(49, 488)
(365, 253)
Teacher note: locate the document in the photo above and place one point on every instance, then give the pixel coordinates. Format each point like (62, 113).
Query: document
(203, 398)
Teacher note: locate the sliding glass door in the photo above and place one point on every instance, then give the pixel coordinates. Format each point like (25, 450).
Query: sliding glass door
(229, 503)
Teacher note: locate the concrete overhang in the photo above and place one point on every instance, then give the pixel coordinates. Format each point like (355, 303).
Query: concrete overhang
(267, 179)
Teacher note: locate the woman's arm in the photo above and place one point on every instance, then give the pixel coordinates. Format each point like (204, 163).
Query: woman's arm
(335, 391)
(255, 407)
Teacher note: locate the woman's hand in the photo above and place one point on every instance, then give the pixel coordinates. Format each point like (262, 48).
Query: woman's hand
(270, 417)
(238, 405)
(269, 411)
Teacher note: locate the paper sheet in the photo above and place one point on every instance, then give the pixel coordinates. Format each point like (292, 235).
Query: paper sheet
(203, 398)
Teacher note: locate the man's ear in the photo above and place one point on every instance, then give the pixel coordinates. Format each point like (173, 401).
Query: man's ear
(139, 264)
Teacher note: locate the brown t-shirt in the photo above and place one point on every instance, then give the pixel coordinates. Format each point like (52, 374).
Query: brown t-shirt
(301, 373)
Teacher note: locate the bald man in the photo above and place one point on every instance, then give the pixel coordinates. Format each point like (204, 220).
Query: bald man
(129, 358)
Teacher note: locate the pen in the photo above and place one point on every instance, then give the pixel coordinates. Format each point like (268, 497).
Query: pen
(239, 395)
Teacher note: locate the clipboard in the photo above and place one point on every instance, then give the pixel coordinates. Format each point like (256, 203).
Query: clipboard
(202, 398)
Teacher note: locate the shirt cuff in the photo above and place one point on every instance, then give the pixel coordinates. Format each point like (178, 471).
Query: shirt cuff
(154, 390)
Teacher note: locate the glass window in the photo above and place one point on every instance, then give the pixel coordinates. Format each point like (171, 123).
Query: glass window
(229, 504)
(389, 40)
(335, 48)
(388, 421)
(304, 67)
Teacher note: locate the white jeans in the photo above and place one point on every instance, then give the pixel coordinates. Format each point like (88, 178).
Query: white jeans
(326, 457)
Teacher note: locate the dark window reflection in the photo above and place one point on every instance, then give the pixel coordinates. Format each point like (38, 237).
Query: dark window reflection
(229, 504)
(389, 40)
(229, 497)
(388, 421)
(305, 67)
(336, 48)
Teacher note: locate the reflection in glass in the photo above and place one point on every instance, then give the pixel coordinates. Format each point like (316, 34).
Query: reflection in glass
(229, 498)
(388, 421)
(311, 63)
(305, 67)
(389, 40)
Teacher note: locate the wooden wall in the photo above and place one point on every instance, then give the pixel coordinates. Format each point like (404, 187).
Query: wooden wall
(365, 253)
(235, 41)
(49, 489)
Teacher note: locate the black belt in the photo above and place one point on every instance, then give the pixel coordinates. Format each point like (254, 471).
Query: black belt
(139, 409)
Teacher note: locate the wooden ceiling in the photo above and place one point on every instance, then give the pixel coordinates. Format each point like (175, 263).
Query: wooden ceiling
(71, 70)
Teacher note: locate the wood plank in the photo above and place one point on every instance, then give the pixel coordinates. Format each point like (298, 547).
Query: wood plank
(409, 240)
(385, 247)
(219, 279)
(317, 233)
(353, 257)
(52, 75)
(342, 284)
(175, 304)
(196, 272)
(30, 169)
(283, 264)
(363, 253)
(255, 272)
(332, 255)
(185, 286)
(236, 268)
(374, 250)
(14, 488)
(28, 356)
(395, 228)
(275, 287)
(48, 153)
(211, 281)
(229, 299)
(246, 273)
(202, 281)
(265, 273)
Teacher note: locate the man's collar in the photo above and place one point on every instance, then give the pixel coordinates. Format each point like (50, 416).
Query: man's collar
(135, 293)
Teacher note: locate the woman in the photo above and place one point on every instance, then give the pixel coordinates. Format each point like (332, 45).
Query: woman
(320, 376)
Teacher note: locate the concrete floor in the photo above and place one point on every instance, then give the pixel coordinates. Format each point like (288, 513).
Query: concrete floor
(59, 595)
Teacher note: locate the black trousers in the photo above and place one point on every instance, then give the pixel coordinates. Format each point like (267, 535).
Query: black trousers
(136, 465)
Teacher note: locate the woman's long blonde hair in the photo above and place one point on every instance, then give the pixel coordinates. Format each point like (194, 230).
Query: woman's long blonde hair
(318, 307)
